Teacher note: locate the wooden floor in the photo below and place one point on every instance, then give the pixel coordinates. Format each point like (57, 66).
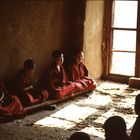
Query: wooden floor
(86, 112)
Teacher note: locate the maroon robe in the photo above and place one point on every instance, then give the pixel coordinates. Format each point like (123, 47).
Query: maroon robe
(59, 85)
(135, 133)
(10, 106)
(79, 75)
(30, 96)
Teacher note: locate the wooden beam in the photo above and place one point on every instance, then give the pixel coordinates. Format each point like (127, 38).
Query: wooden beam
(37, 107)
(134, 82)
(40, 106)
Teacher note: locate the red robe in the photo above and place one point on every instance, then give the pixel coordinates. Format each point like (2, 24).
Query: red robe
(10, 105)
(30, 96)
(59, 85)
(135, 133)
(79, 75)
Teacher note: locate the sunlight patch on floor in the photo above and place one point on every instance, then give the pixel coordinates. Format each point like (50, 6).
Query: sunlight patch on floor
(114, 88)
(95, 99)
(67, 117)
(98, 133)
(74, 113)
(129, 119)
(128, 101)
(55, 122)
(111, 85)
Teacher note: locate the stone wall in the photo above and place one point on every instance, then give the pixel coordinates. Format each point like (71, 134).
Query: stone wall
(33, 29)
(30, 29)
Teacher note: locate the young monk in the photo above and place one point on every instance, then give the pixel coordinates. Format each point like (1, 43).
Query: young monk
(10, 106)
(58, 85)
(115, 129)
(79, 136)
(136, 128)
(78, 72)
(26, 92)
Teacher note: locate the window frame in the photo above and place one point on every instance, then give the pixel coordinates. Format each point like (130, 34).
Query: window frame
(108, 42)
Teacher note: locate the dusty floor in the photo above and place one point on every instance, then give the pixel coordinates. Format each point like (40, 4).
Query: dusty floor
(83, 113)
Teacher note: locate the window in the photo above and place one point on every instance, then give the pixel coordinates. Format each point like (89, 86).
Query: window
(123, 51)
(121, 38)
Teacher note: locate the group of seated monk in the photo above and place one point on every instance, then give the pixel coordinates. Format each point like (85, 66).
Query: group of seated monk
(59, 83)
(74, 79)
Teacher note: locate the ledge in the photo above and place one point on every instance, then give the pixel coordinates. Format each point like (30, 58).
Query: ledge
(134, 82)
(33, 108)
(37, 107)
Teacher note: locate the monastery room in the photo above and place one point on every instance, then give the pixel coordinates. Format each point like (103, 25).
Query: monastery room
(70, 70)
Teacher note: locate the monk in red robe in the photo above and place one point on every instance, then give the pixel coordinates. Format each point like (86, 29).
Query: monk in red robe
(78, 72)
(79, 136)
(115, 129)
(10, 106)
(135, 133)
(58, 84)
(25, 90)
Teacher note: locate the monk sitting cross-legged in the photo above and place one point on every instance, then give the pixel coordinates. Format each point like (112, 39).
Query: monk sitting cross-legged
(25, 90)
(136, 127)
(10, 106)
(78, 72)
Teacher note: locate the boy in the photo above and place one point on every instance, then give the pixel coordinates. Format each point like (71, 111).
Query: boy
(79, 136)
(115, 129)
(136, 128)
(10, 106)
(58, 84)
(78, 72)
(24, 88)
